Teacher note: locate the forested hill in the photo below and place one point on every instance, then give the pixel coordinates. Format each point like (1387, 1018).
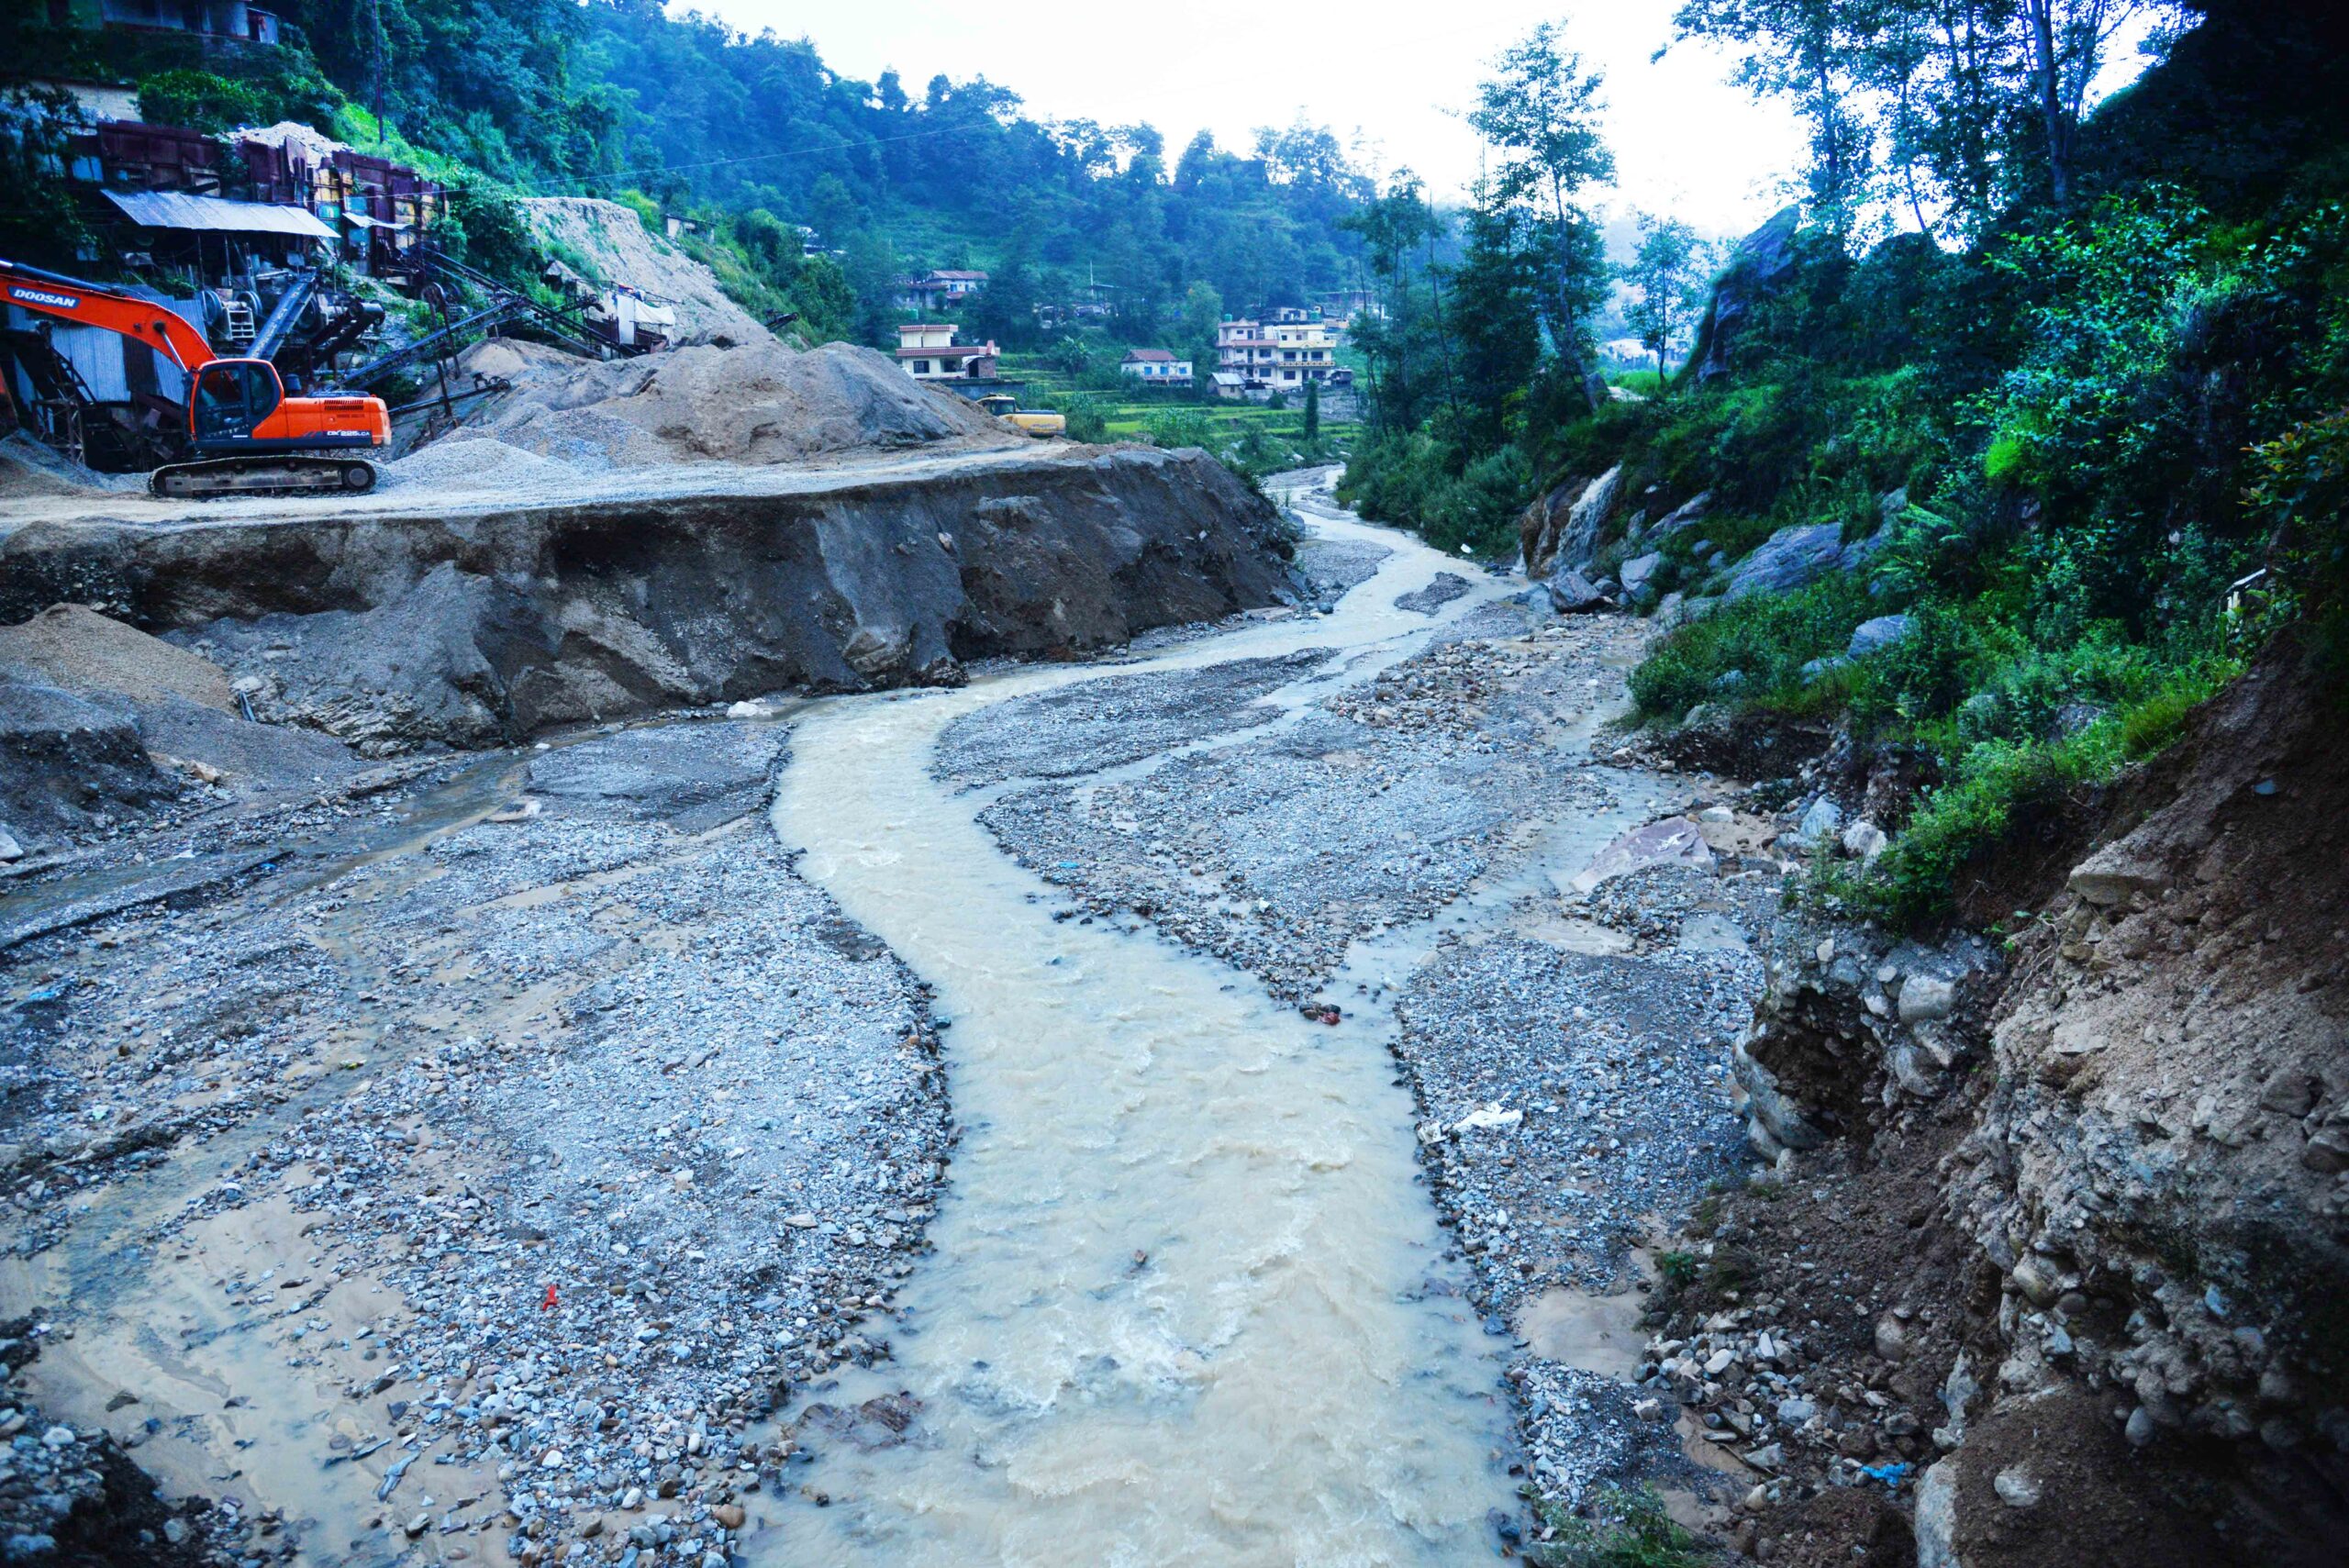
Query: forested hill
(613, 97)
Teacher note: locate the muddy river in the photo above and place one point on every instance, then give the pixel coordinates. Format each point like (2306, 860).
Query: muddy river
(1188, 1303)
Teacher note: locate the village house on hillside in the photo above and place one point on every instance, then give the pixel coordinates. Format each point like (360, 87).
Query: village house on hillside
(216, 18)
(935, 291)
(1284, 352)
(929, 351)
(1158, 367)
(213, 206)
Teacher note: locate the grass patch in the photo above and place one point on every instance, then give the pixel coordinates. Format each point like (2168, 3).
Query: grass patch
(1631, 1530)
(1996, 784)
(1751, 652)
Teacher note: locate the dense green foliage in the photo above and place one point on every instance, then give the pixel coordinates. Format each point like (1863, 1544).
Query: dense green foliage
(2101, 446)
(758, 138)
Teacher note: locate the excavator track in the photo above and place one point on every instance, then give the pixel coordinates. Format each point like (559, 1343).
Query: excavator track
(215, 477)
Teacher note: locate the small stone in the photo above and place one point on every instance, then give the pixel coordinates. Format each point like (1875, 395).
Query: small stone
(2036, 1280)
(9, 848)
(58, 1437)
(1794, 1412)
(1821, 820)
(730, 1515)
(1925, 996)
(1891, 1339)
(2017, 1487)
(2140, 1430)
(1864, 841)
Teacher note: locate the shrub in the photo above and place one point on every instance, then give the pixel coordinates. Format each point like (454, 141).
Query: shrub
(1630, 1530)
(200, 101)
(1765, 641)
(1994, 784)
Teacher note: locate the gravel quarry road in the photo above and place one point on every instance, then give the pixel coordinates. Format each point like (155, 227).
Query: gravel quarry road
(1208, 1104)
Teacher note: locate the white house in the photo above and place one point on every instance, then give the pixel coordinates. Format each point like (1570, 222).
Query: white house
(929, 352)
(1156, 366)
(1281, 354)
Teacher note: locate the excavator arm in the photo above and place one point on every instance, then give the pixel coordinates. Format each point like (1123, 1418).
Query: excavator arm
(86, 304)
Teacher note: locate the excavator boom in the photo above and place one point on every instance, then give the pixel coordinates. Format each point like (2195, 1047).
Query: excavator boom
(86, 304)
(249, 436)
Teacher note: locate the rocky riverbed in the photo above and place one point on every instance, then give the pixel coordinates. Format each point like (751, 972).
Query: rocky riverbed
(497, 1149)
(502, 1158)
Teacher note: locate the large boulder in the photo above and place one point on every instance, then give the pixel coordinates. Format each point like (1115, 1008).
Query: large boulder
(1796, 556)
(1571, 593)
(1761, 265)
(1872, 636)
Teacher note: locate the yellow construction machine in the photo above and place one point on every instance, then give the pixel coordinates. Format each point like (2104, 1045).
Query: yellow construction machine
(1041, 423)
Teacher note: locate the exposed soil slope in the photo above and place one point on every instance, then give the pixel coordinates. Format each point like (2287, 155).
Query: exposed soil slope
(2081, 1215)
(475, 622)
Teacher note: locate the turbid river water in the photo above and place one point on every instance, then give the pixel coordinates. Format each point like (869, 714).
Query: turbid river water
(1188, 1303)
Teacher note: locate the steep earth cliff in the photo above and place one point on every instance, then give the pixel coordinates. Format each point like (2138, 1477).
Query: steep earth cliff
(474, 626)
(2066, 1216)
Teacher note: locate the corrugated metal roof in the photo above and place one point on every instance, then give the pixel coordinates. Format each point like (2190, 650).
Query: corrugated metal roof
(176, 210)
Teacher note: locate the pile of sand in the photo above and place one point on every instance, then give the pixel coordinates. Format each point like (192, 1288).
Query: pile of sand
(80, 651)
(758, 405)
(617, 249)
(31, 470)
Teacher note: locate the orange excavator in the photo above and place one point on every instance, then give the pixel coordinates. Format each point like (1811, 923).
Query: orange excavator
(245, 435)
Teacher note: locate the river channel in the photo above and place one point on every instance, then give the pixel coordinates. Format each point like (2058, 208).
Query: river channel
(1188, 1301)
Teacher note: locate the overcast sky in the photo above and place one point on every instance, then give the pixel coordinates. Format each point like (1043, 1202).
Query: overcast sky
(1687, 141)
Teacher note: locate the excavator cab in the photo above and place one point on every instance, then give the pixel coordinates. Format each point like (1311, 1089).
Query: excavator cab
(232, 398)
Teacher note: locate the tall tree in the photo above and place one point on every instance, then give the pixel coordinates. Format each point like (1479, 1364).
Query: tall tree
(1540, 111)
(1665, 276)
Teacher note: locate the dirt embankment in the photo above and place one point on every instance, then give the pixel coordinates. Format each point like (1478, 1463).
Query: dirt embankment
(617, 249)
(486, 623)
(2064, 1229)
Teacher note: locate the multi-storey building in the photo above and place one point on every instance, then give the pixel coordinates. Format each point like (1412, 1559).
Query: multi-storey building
(1283, 352)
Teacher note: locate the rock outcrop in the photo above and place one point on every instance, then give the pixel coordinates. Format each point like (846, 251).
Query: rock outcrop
(1851, 1023)
(1762, 263)
(1560, 531)
(492, 623)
